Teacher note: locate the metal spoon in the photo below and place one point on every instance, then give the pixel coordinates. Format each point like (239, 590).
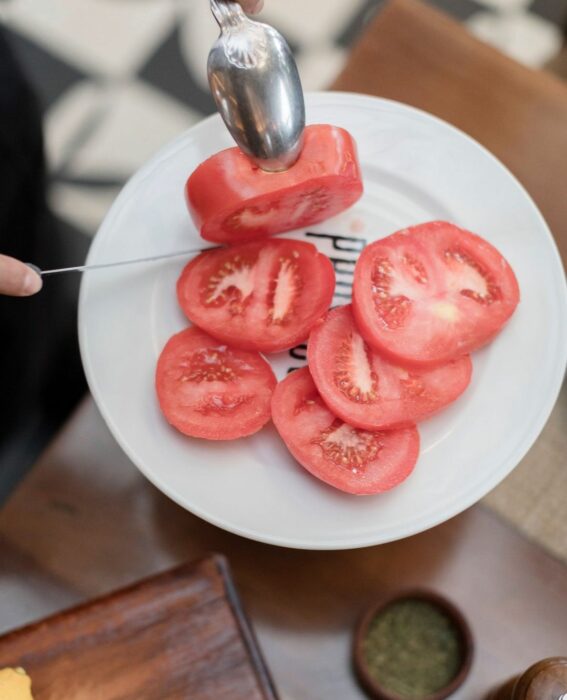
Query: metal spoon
(257, 89)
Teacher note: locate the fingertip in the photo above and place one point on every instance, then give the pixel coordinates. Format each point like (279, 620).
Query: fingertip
(252, 7)
(32, 283)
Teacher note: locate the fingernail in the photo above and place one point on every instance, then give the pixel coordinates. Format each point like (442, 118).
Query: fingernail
(32, 284)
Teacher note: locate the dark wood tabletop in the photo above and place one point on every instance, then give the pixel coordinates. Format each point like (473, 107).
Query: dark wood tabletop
(86, 522)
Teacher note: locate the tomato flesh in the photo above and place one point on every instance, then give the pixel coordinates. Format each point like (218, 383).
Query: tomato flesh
(356, 461)
(368, 391)
(209, 390)
(231, 199)
(262, 296)
(431, 293)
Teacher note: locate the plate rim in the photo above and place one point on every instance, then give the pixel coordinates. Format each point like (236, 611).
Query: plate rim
(517, 453)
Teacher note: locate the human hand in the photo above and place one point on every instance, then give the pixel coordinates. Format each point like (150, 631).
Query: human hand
(251, 7)
(17, 279)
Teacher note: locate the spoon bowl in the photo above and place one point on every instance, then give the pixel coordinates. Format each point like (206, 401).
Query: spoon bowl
(256, 86)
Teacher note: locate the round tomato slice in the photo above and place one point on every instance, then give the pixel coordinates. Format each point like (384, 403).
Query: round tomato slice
(366, 390)
(430, 293)
(350, 459)
(258, 296)
(231, 199)
(209, 390)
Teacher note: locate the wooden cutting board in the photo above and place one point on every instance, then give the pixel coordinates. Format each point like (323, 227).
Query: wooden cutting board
(181, 634)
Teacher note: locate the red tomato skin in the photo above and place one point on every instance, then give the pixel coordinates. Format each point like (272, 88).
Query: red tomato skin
(415, 396)
(187, 418)
(479, 329)
(242, 331)
(229, 182)
(396, 460)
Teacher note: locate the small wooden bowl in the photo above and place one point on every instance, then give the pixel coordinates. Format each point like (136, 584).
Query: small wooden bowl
(371, 685)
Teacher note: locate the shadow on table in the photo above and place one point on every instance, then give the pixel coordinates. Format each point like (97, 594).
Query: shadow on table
(296, 587)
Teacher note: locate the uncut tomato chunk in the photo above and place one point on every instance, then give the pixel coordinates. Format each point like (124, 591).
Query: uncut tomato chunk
(430, 293)
(356, 461)
(262, 296)
(366, 390)
(231, 199)
(209, 390)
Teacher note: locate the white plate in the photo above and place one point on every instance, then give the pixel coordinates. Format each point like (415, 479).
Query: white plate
(416, 168)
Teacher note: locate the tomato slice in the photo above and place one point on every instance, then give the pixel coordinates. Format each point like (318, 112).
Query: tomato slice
(258, 296)
(350, 459)
(365, 389)
(208, 390)
(231, 199)
(430, 293)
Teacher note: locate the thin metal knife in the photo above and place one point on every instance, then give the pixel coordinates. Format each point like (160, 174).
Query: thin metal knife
(101, 266)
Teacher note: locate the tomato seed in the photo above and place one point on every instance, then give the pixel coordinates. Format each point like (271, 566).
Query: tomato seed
(349, 447)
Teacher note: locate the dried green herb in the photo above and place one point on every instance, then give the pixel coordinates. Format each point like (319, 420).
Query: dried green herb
(412, 648)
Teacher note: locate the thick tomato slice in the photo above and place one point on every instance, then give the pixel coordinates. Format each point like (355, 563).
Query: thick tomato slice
(258, 296)
(350, 459)
(208, 390)
(231, 199)
(366, 390)
(430, 293)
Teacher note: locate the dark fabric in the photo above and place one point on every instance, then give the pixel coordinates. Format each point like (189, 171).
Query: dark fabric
(39, 365)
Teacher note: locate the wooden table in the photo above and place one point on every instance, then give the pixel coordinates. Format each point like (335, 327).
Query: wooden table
(86, 522)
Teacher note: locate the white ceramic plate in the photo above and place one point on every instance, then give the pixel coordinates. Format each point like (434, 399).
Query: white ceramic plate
(416, 168)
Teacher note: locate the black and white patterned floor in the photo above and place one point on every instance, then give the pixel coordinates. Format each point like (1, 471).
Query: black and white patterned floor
(118, 79)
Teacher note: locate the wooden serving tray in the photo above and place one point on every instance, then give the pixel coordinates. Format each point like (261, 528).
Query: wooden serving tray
(181, 634)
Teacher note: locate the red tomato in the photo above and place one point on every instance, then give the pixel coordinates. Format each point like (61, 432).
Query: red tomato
(352, 460)
(231, 199)
(208, 390)
(258, 296)
(428, 294)
(365, 389)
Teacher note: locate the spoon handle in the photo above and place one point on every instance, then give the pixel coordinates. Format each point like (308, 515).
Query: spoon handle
(119, 263)
(227, 12)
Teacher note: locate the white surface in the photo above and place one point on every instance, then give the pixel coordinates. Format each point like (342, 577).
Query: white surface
(416, 168)
(524, 36)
